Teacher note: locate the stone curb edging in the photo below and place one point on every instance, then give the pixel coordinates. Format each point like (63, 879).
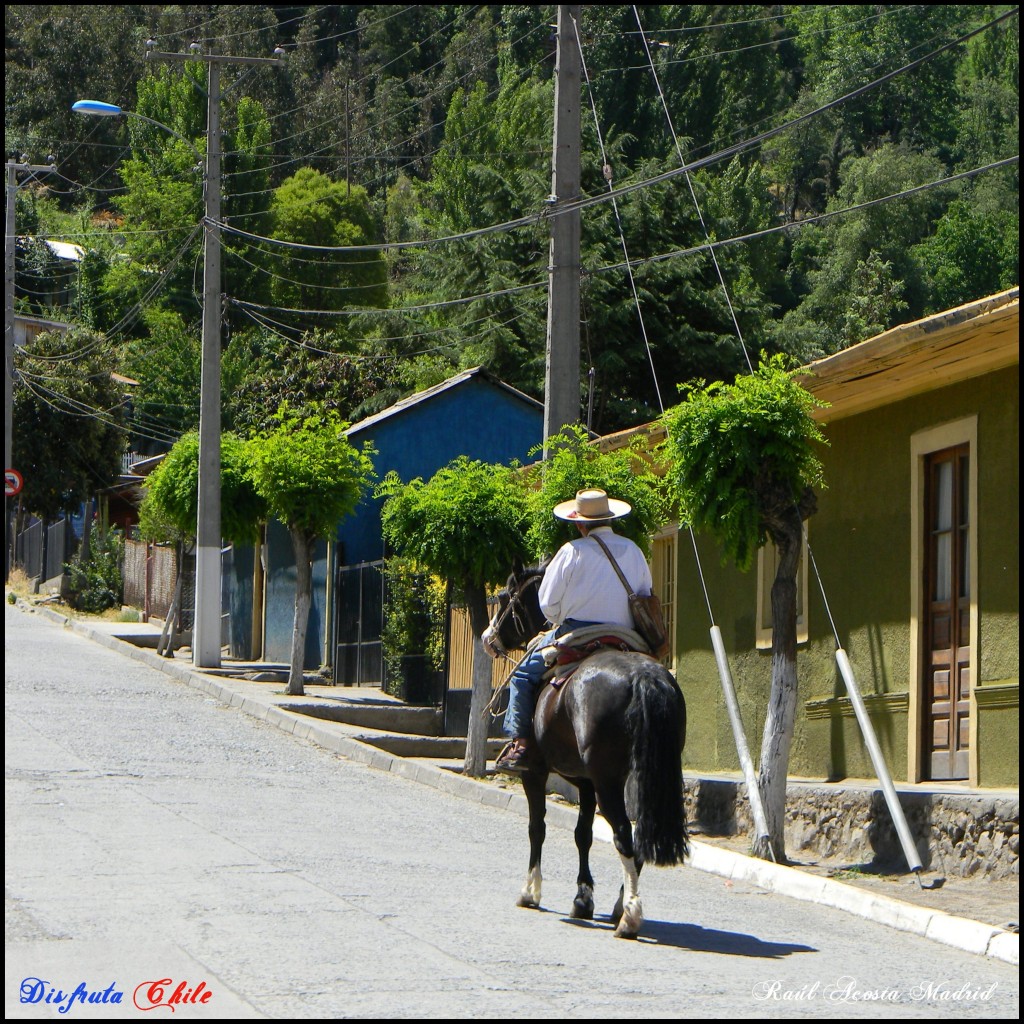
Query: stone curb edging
(960, 933)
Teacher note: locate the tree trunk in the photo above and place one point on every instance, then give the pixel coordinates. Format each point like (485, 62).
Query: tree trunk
(303, 547)
(476, 735)
(787, 535)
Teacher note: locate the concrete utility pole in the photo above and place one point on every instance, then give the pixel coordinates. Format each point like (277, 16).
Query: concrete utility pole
(562, 368)
(206, 626)
(14, 168)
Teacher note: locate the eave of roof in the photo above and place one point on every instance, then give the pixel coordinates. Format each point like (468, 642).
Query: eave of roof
(915, 358)
(912, 359)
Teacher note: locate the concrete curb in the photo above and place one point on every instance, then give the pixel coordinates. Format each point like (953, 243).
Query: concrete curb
(960, 933)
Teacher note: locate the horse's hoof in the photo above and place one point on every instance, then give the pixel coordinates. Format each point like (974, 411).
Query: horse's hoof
(583, 904)
(632, 918)
(529, 895)
(582, 910)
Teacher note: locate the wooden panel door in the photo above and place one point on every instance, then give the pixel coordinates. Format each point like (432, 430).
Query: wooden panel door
(947, 647)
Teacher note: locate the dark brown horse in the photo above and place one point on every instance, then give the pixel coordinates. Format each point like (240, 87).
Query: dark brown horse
(619, 715)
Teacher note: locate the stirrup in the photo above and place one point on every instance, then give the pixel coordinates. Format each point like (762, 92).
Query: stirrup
(515, 757)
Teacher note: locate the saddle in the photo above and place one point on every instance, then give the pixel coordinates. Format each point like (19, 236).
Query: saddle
(567, 653)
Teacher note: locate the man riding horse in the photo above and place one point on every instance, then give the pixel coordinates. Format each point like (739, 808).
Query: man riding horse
(580, 588)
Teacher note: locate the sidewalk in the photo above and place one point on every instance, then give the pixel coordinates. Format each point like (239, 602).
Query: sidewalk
(974, 915)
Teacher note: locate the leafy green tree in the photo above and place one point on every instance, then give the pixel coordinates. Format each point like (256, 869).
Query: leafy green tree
(312, 210)
(246, 200)
(311, 478)
(170, 504)
(741, 463)
(68, 418)
(872, 246)
(841, 47)
(988, 118)
(56, 54)
(397, 110)
(484, 173)
(467, 524)
(260, 372)
(415, 621)
(167, 363)
(162, 202)
(972, 254)
(875, 300)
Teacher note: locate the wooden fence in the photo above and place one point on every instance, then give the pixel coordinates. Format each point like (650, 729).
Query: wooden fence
(460, 653)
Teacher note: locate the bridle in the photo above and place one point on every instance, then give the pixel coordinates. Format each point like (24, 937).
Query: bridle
(513, 608)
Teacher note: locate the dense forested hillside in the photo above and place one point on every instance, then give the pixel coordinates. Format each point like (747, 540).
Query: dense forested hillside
(857, 165)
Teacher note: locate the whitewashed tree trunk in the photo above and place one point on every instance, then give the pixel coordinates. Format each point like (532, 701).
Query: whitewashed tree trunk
(476, 735)
(781, 714)
(303, 599)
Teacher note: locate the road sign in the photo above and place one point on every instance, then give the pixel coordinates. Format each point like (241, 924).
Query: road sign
(13, 483)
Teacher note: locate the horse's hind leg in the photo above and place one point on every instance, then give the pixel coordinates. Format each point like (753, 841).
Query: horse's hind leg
(535, 787)
(628, 914)
(616, 914)
(583, 904)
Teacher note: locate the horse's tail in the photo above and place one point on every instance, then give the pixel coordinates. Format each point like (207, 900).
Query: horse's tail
(656, 719)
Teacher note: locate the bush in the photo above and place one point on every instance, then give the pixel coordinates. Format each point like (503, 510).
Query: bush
(414, 620)
(94, 585)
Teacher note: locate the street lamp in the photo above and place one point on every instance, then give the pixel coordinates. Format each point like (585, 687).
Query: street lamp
(97, 108)
(206, 625)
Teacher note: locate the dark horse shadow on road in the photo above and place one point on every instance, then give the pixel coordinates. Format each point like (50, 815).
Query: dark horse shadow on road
(703, 940)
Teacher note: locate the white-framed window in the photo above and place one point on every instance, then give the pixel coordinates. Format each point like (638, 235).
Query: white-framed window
(664, 555)
(767, 566)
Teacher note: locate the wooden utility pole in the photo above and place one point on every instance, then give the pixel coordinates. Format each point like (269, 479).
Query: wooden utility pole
(14, 168)
(206, 625)
(562, 366)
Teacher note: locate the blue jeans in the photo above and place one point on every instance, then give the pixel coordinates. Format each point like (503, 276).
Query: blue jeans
(525, 681)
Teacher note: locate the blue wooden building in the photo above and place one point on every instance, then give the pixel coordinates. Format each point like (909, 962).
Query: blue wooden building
(472, 414)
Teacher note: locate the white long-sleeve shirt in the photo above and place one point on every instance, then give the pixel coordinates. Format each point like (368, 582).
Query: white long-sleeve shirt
(580, 583)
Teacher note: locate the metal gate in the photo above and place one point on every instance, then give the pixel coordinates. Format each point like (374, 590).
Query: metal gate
(358, 624)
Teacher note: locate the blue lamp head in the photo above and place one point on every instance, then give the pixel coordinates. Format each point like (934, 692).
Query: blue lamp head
(97, 108)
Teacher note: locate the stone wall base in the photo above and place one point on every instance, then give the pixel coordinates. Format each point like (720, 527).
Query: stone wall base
(959, 835)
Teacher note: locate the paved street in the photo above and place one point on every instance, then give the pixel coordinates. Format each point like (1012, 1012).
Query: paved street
(160, 842)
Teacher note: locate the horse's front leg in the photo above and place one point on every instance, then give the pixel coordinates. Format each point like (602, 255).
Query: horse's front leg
(583, 904)
(628, 914)
(535, 786)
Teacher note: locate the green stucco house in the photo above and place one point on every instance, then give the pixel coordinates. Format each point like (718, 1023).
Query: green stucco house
(913, 568)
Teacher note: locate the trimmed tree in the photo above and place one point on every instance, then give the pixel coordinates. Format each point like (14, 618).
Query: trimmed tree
(467, 524)
(742, 465)
(574, 464)
(311, 478)
(170, 503)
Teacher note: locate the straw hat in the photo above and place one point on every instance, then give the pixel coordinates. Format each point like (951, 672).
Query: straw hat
(592, 506)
